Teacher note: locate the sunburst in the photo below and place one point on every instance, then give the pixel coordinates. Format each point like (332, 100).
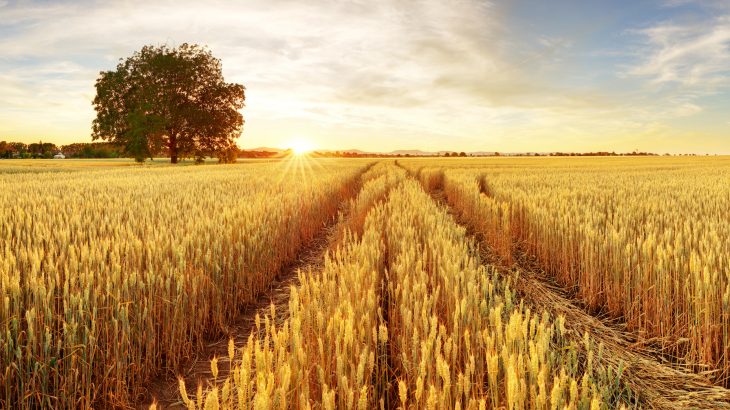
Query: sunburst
(301, 146)
(299, 163)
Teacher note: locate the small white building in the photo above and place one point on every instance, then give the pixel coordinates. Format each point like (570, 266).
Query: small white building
(59, 156)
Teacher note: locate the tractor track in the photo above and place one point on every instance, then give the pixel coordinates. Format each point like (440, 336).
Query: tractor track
(164, 390)
(658, 383)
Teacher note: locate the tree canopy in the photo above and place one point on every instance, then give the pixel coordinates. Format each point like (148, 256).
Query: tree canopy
(169, 98)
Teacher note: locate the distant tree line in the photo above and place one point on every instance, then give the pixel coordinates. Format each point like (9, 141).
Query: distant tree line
(112, 150)
(601, 154)
(350, 154)
(449, 154)
(92, 150)
(47, 150)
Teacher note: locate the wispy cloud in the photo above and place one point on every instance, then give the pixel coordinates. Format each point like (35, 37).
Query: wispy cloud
(693, 54)
(411, 68)
(385, 74)
(379, 56)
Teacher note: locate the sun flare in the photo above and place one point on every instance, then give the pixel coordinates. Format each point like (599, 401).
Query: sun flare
(301, 146)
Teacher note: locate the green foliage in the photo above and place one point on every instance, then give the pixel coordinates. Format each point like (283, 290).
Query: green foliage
(42, 150)
(92, 150)
(12, 149)
(228, 155)
(171, 98)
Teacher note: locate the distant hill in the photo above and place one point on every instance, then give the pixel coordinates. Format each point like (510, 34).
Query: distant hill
(355, 151)
(417, 152)
(268, 149)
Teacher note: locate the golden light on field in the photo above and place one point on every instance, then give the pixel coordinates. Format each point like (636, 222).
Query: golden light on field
(298, 162)
(360, 236)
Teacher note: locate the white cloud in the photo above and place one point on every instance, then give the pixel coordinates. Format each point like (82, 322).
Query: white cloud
(414, 69)
(386, 71)
(327, 61)
(682, 62)
(677, 3)
(686, 109)
(696, 55)
(706, 4)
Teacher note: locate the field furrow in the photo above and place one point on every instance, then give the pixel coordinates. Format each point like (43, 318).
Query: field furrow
(110, 277)
(659, 383)
(418, 322)
(409, 284)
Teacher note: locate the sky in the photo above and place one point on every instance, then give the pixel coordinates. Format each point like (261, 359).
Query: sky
(380, 75)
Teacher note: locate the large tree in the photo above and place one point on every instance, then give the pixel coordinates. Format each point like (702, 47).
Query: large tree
(172, 99)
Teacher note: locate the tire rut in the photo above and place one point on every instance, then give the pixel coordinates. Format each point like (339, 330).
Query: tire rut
(658, 384)
(164, 391)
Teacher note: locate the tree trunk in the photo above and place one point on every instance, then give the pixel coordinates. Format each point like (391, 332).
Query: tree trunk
(173, 148)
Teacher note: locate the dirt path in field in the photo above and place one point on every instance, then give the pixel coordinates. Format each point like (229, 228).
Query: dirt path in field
(657, 383)
(164, 391)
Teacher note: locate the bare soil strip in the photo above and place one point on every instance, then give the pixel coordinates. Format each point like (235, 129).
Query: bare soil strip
(164, 391)
(658, 384)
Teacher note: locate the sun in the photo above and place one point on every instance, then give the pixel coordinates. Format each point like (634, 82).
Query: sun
(300, 146)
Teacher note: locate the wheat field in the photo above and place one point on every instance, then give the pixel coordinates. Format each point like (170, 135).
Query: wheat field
(108, 275)
(644, 240)
(112, 277)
